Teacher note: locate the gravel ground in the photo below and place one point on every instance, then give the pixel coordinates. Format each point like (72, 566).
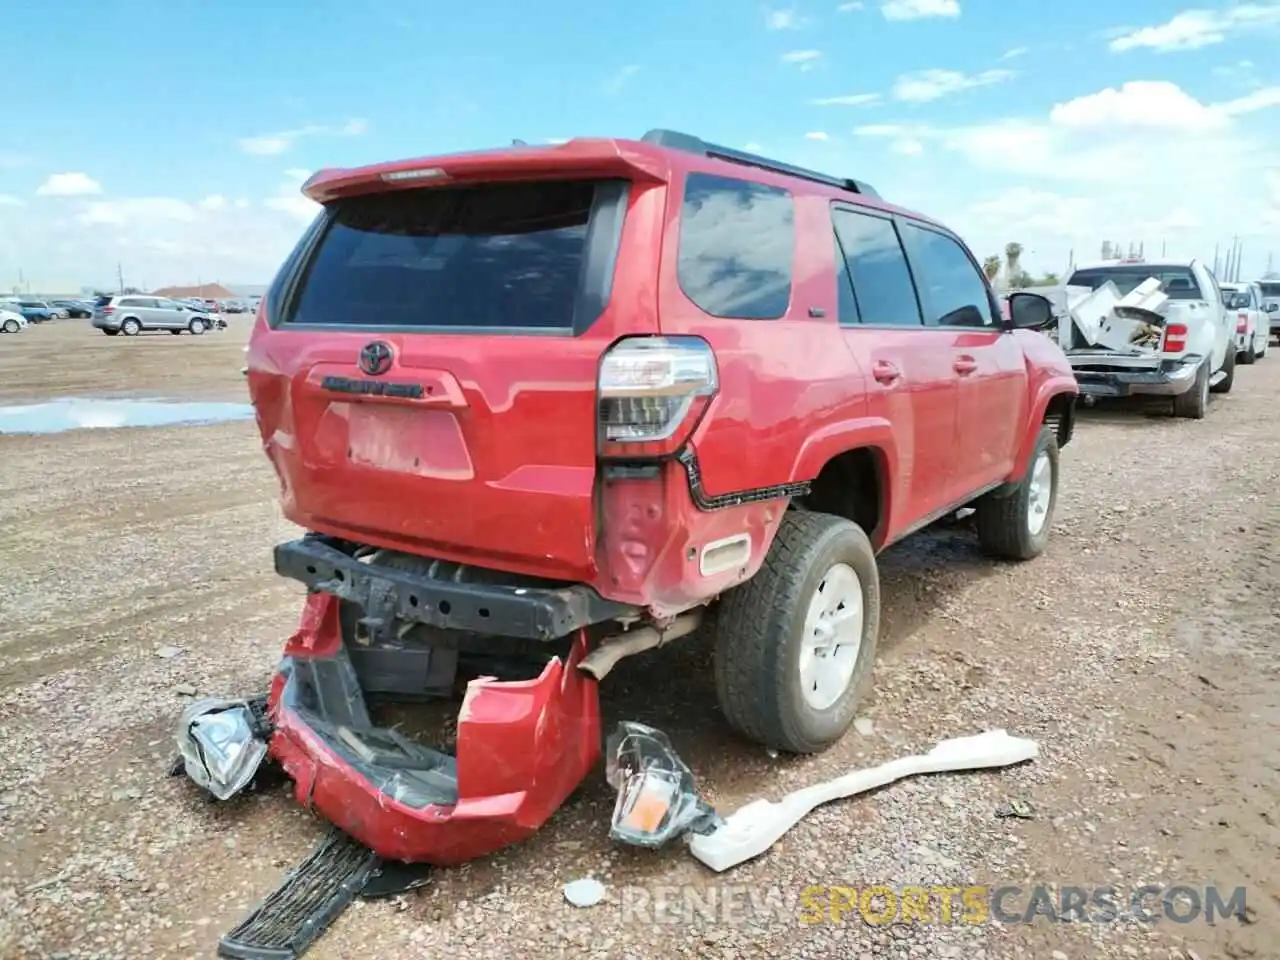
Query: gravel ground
(1139, 652)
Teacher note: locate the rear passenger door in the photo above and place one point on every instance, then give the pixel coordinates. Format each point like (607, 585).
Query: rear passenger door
(988, 362)
(910, 379)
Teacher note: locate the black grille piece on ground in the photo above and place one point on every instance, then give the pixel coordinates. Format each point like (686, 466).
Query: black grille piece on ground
(312, 896)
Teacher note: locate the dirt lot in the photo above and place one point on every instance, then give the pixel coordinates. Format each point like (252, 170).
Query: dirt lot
(1140, 652)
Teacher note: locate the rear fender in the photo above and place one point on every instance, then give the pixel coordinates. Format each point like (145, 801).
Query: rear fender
(841, 436)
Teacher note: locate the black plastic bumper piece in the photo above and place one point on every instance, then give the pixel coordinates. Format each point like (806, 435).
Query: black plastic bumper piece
(447, 595)
(311, 898)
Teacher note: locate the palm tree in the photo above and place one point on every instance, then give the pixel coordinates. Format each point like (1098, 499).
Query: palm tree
(1012, 258)
(991, 267)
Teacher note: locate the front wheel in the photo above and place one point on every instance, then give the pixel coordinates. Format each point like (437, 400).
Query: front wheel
(1014, 525)
(795, 644)
(196, 326)
(11, 326)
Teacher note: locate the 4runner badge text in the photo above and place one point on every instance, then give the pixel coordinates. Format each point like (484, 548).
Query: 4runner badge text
(374, 388)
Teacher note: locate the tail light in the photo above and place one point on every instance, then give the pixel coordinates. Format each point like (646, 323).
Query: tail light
(653, 391)
(1175, 338)
(108, 309)
(1242, 323)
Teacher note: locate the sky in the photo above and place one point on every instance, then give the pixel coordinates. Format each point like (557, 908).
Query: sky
(169, 138)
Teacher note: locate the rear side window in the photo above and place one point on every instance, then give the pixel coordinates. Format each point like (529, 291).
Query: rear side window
(505, 255)
(954, 292)
(737, 245)
(878, 268)
(1179, 283)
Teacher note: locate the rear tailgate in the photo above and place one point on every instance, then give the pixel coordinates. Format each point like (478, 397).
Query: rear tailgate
(426, 380)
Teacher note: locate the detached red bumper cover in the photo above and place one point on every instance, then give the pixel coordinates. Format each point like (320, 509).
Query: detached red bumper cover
(522, 748)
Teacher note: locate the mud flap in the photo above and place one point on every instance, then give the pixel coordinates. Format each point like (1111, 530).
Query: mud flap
(312, 896)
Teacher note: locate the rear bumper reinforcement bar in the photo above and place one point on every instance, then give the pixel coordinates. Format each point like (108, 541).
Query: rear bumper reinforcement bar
(446, 597)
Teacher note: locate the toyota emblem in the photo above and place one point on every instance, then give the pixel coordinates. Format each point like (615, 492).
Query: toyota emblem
(375, 358)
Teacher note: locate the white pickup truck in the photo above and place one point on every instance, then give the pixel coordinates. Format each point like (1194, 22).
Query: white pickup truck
(1171, 338)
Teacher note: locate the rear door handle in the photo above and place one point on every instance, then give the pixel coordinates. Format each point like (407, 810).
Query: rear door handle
(886, 372)
(965, 365)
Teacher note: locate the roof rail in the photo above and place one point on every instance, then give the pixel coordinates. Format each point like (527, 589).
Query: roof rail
(691, 144)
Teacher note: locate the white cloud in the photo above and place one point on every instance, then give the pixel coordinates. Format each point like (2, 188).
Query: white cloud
(928, 85)
(289, 199)
(68, 185)
(849, 7)
(1145, 161)
(215, 201)
(274, 144)
(9, 200)
(848, 100)
(919, 9)
(787, 19)
(804, 59)
(1014, 53)
(1194, 29)
(817, 135)
(137, 211)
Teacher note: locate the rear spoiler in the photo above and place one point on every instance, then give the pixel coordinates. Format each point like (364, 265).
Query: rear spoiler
(588, 157)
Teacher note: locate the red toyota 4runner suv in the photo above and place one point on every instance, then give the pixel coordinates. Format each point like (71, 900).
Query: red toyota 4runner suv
(554, 402)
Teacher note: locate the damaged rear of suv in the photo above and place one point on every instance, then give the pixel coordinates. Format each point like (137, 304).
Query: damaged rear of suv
(540, 408)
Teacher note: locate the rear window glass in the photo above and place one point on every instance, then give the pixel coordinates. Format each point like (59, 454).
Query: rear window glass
(1270, 289)
(497, 255)
(1178, 282)
(737, 243)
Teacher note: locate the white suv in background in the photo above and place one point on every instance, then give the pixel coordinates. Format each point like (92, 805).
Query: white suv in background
(1244, 307)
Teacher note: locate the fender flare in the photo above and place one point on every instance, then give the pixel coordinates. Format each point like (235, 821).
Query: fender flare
(859, 433)
(1056, 386)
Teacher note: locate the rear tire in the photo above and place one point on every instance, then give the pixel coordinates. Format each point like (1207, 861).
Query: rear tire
(794, 651)
(1247, 357)
(131, 327)
(1015, 525)
(1193, 404)
(176, 333)
(1229, 368)
(112, 333)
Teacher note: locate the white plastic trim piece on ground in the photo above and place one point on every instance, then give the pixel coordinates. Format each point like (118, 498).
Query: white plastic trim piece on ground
(753, 829)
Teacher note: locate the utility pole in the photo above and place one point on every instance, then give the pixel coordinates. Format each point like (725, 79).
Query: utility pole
(1215, 259)
(1163, 245)
(120, 276)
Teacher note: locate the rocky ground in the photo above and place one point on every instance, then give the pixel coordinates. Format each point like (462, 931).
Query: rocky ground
(1140, 652)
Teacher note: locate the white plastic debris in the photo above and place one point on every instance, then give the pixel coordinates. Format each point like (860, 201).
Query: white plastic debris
(219, 749)
(753, 829)
(586, 892)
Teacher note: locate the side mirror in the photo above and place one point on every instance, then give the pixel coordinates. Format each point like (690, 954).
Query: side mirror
(1029, 311)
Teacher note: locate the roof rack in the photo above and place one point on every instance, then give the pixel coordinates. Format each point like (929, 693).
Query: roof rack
(691, 144)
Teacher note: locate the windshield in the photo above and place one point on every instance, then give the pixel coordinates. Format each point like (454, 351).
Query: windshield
(1177, 283)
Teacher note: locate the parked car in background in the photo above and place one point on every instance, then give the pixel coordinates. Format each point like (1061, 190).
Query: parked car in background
(36, 311)
(132, 314)
(76, 309)
(1271, 303)
(10, 320)
(210, 306)
(1193, 355)
(1253, 332)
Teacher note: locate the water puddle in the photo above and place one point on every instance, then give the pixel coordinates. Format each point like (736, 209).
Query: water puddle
(71, 413)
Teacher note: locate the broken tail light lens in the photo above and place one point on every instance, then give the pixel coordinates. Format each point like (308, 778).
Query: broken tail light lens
(653, 391)
(1175, 338)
